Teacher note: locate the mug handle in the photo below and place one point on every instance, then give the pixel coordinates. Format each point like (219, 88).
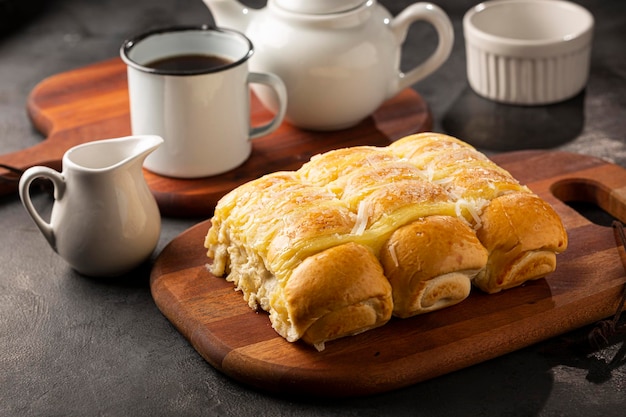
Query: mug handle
(274, 82)
(439, 19)
(27, 178)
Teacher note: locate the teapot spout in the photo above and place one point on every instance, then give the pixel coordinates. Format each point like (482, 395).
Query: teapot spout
(230, 14)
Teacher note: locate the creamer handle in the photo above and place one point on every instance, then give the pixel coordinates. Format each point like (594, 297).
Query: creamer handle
(26, 180)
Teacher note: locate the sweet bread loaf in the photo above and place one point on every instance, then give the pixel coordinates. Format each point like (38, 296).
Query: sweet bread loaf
(358, 234)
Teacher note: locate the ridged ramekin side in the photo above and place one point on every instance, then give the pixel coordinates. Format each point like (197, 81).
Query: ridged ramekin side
(527, 81)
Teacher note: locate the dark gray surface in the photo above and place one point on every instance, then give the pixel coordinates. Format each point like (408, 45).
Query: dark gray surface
(76, 346)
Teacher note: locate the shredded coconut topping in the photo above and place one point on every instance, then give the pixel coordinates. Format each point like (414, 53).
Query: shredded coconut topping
(394, 256)
(362, 217)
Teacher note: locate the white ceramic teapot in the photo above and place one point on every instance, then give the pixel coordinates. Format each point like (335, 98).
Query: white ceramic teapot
(104, 220)
(339, 59)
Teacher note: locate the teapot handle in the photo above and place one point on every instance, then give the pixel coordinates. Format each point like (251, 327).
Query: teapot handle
(439, 19)
(26, 180)
(278, 86)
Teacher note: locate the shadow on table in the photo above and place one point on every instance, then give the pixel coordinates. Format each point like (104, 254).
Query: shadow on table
(488, 125)
(518, 384)
(137, 278)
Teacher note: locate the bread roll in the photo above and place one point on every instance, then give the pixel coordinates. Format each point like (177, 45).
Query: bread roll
(430, 264)
(359, 234)
(523, 234)
(337, 292)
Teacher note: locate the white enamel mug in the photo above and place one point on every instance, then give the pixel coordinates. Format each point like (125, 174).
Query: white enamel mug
(203, 114)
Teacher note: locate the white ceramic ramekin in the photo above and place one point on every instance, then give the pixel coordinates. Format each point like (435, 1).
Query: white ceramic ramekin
(528, 52)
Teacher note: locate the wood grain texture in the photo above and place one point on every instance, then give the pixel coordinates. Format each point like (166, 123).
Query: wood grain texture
(585, 288)
(91, 103)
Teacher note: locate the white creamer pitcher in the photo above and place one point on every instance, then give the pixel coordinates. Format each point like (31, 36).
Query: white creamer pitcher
(104, 220)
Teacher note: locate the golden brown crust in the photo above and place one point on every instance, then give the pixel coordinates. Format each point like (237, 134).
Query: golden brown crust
(325, 168)
(430, 264)
(522, 233)
(306, 230)
(338, 292)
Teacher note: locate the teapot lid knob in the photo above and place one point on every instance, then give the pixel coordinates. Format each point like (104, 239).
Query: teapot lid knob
(318, 6)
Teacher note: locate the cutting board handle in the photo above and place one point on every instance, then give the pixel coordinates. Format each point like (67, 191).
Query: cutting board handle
(595, 191)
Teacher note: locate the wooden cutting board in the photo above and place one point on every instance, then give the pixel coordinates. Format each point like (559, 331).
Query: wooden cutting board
(91, 103)
(585, 288)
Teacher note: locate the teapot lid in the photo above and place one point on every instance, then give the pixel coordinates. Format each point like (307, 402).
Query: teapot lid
(318, 6)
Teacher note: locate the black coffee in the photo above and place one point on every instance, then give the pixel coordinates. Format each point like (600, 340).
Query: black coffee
(191, 62)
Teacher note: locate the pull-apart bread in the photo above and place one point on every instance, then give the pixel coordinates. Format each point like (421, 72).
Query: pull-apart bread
(360, 234)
